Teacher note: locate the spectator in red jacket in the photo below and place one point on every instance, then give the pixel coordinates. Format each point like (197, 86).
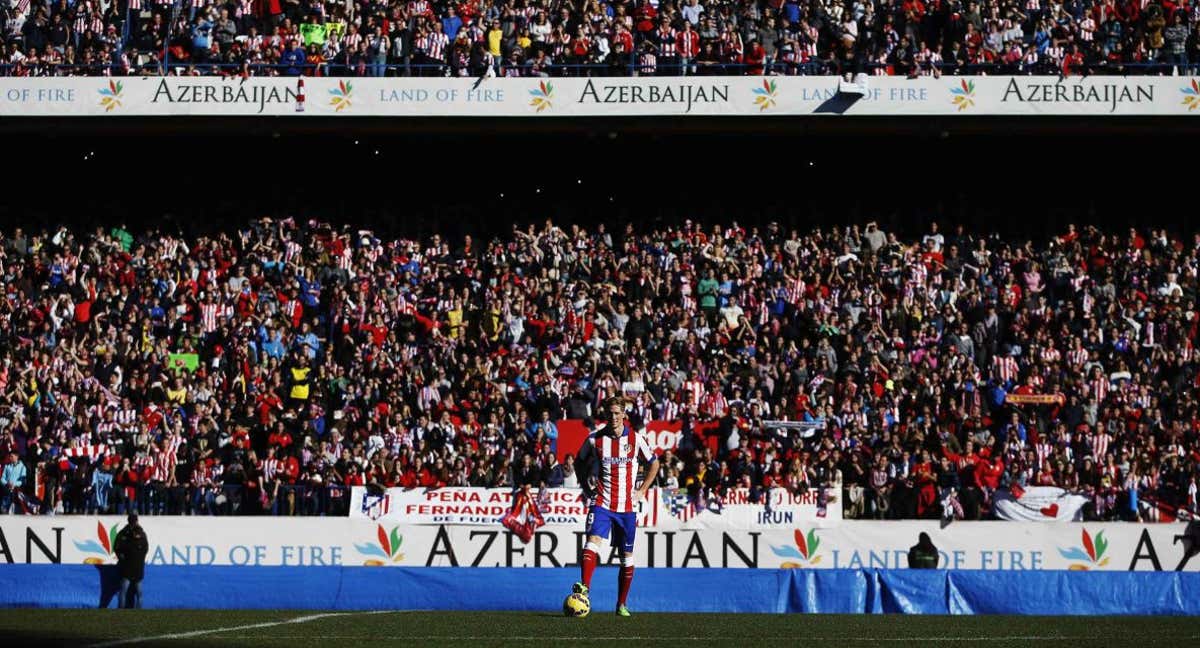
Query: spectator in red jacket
(754, 58)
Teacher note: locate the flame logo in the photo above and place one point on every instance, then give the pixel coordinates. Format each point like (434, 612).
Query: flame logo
(341, 96)
(388, 548)
(964, 94)
(108, 540)
(766, 95)
(805, 550)
(1092, 553)
(110, 96)
(1192, 95)
(542, 96)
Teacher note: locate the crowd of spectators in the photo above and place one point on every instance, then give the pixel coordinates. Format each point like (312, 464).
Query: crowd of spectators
(269, 368)
(640, 37)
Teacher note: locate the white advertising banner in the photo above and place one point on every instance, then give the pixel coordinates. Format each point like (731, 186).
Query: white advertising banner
(302, 542)
(595, 97)
(662, 508)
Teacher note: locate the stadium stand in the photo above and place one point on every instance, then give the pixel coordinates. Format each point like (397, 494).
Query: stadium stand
(267, 369)
(539, 38)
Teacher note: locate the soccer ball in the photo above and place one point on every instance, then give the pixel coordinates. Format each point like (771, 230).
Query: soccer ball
(577, 605)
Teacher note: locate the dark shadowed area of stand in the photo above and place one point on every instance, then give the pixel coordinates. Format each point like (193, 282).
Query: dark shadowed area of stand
(483, 181)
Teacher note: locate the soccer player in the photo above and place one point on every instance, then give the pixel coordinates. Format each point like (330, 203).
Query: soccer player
(608, 465)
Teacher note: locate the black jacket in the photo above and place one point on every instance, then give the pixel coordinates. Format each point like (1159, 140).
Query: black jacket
(923, 555)
(131, 548)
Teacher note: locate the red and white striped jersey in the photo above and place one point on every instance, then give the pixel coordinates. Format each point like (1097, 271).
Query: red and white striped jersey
(1099, 447)
(163, 465)
(209, 313)
(372, 253)
(1006, 368)
(1077, 357)
(428, 397)
(714, 404)
(295, 311)
(617, 458)
(405, 306)
(666, 41)
(795, 290)
(693, 392)
(1098, 388)
(434, 45)
(106, 428)
(203, 475)
(1051, 354)
(1087, 28)
(85, 22)
(291, 250)
(126, 418)
(1044, 450)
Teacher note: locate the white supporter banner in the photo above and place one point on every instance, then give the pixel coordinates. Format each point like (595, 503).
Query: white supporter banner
(462, 506)
(305, 542)
(1039, 504)
(776, 509)
(597, 97)
(662, 508)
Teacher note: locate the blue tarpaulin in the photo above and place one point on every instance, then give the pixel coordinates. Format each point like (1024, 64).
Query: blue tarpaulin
(654, 590)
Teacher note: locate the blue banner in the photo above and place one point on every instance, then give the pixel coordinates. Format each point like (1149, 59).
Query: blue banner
(654, 590)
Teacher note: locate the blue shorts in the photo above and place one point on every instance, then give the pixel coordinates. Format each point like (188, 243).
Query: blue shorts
(600, 520)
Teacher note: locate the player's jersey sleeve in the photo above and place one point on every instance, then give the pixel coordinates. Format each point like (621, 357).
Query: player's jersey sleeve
(644, 453)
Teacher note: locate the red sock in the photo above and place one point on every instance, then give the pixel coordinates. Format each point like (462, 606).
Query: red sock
(623, 583)
(588, 566)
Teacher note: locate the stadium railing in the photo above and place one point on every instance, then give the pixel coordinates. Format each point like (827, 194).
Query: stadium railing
(228, 499)
(778, 68)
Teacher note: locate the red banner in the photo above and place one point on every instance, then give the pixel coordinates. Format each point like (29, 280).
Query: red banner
(661, 435)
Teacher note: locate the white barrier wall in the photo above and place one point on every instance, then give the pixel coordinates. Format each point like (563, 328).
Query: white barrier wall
(852, 544)
(599, 97)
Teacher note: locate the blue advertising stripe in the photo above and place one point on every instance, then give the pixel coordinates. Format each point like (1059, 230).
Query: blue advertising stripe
(659, 590)
(654, 590)
(1076, 592)
(830, 591)
(917, 591)
(52, 586)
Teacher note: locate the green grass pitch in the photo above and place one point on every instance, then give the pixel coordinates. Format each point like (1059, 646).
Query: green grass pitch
(298, 628)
